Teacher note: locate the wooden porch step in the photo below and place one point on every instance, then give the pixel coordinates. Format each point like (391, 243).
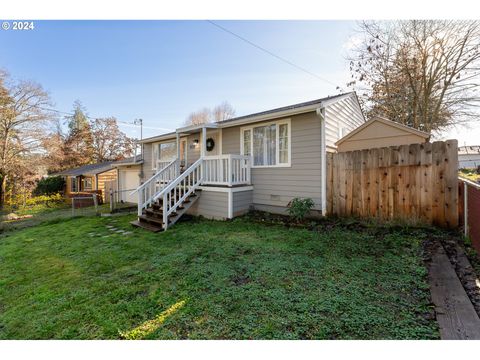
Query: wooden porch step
(151, 220)
(146, 226)
(157, 213)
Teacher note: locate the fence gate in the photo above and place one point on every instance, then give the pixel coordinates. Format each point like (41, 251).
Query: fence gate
(415, 182)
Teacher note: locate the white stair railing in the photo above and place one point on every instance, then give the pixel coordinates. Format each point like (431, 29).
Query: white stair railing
(149, 189)
(178, 190)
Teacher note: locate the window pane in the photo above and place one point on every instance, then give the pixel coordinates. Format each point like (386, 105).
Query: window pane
(265, 145)
(258, 146)
(247, 140)
(271, 144)
(283, 143)
(168, 151)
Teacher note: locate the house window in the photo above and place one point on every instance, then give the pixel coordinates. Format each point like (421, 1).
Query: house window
(247, 142)
(73, 184)
(164, 152)
(87, 183)
(268, 144)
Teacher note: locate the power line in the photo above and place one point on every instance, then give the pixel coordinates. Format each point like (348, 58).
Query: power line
(94, 118)
(298, 67)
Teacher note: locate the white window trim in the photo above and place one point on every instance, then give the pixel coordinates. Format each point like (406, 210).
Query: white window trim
(277, 135)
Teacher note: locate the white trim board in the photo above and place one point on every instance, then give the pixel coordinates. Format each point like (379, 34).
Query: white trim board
(226, 189)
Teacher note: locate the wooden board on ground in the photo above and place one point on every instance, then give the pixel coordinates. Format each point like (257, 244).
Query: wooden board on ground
(456, 315)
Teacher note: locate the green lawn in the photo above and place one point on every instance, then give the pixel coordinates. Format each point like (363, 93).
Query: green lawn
(212, 280)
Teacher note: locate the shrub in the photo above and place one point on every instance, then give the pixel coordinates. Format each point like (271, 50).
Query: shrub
(25, 202)
(50, 185)
(299, 208)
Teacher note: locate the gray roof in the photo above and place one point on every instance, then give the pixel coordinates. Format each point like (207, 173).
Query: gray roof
(91, 169)
(130, 160)
(254, 115)
(284, 108)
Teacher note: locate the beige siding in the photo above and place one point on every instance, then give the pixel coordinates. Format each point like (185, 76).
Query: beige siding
(103, 178)
(345, 114)
(211, 204)
(242, 200)
(276, 186)
(378, 134)
(147, 162)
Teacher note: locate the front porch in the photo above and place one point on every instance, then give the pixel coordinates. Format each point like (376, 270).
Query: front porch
(176, 185)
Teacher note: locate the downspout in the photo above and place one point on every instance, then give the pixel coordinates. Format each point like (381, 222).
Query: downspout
(323, 165)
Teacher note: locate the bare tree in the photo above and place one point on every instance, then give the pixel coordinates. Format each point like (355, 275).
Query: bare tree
(109, 143)
(24, 117)
(199, 117)
(420, 73)
(224, 111)
(206, 115)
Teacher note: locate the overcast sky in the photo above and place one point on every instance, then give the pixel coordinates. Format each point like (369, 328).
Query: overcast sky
(161, 71)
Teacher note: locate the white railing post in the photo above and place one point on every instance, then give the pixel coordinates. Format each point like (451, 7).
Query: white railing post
(229, 166)
(249, 170)
(164, 210)
(140, 202)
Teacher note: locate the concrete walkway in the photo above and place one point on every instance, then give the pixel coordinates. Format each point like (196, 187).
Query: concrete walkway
(456, 315)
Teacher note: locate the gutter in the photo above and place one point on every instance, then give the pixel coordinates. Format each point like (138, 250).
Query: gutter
(323, 155)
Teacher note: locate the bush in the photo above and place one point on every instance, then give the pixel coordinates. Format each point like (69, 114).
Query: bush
(25, 202)
(299, 208)
(49, 185)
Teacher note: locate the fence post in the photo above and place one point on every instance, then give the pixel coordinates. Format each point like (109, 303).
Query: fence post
(95, 202)
(465, 208)
(73, 206)
(111, 200)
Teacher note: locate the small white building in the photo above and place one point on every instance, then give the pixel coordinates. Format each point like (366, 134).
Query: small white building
(469, 157)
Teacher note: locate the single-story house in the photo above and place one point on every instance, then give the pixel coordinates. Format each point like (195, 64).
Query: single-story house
(380, 132)
(469, 157)
(94, 178)
(260, 161)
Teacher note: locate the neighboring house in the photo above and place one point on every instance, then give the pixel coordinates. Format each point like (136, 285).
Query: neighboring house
(380, 132)
(469, 157)
(259, 161)
(93, 178)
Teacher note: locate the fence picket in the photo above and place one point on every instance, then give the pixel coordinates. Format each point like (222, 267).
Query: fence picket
(414, 182)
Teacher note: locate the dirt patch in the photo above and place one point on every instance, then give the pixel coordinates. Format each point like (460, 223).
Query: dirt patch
(241, 278)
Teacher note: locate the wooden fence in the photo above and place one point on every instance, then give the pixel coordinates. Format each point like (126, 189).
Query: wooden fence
(415, 182)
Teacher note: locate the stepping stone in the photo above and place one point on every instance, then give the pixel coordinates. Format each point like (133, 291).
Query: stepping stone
(109, 226)
(106, 236)
(128, 233)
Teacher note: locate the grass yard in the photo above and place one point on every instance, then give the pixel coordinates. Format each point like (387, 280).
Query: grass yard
(81, 279)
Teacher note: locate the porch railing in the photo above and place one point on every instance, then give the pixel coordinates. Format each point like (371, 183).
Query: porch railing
(149, 189)
(226, 170)
(175, 193)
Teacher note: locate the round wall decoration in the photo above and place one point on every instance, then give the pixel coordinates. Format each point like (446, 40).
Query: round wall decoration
(210, 144)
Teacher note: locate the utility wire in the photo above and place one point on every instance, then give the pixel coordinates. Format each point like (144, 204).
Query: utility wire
(273, 54)
(94, 118)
